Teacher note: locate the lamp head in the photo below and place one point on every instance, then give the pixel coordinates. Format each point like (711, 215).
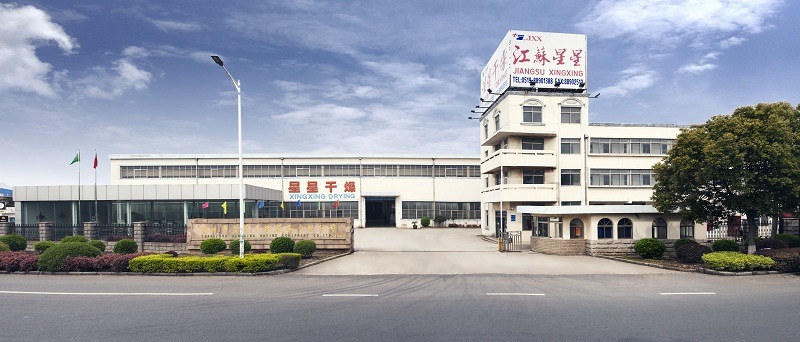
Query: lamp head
(557, 84)
(581, 84)
(217, 60)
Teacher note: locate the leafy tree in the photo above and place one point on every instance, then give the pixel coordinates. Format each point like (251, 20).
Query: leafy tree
(747, 162)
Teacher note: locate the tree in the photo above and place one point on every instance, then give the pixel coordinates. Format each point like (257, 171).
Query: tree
(747, 162)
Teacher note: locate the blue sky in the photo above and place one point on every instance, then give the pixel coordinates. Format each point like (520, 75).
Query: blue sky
(330, 77)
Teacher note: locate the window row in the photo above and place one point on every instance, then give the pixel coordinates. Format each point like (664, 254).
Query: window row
(630, 146)
(277, 171)
(414, 210)
(605, 228)
(533, 114)
(621, 177)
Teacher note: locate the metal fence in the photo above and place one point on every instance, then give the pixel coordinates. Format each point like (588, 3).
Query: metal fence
(29, 231)
(165, 233)
(737, 232)
(114, 232)
(511, 242)
(62, 231)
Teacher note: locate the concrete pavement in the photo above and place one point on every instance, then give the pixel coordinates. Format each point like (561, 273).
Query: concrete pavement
(455, 251)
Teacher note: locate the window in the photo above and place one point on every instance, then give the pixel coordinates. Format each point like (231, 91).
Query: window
(570, 177)
(687, 229)
(533, 176)
(570, 203)
(659, 229)
(415, 170)
(570, 146)
(575, 228)
(625, 229)
(379, 170)
(497, 122)
(630, 146)
(621, 177)
(342, 170)
(302, 170)
(531, 114)
(262, 171)
(413, 210)
(459, 210)
(536, 144)
(486, 131)
(604, 229)
(570, 114)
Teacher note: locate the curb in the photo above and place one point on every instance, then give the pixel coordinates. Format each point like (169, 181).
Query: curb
(321, 261)
(644, 263)
(726, 273)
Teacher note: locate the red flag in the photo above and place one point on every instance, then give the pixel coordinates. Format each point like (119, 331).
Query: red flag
(95, 160)
(335, 204)
(205, 205)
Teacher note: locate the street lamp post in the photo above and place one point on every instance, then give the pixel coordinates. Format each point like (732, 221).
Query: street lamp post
(238, 86)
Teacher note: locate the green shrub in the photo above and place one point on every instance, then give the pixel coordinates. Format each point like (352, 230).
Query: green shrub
(305, 248)
(289, 260)
(251, 263)
(281, 245)
(650, 248)
(786, 259)
(42, 246)
(234, 247)
(725, 245)
(735, 261)
(425, 221)
(439, 220)
(791, 240)
(98, 244)
(212, 246)
(214, 263)
(51, 259)
(692, 252)
(771, 243)
(126, 246)
(4, 247)
(147, 263)
(681, 242)
(15, 242)
(75, 238)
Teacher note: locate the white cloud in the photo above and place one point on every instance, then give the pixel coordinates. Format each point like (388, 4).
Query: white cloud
(110, 83)
(24, 29)
(732, 41)
(174, 25)
(695, 69)
(135, 52)
(632, 80)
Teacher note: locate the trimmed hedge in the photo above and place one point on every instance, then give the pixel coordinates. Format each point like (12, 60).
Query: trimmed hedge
(725, 245)
(251, 263)
(786, 259)
(281, 244)
(18, 261)
(735, 261)
(791, 240)
(234, 246)
(305, 248)
(692, 252)
(650, 248)
(15, 242)
(680, 242)
(75, 238)
(98, 244)
(212, 246)
(108, 262)
(126, 246)
(51, 260)
(4, 247)
(289, 260)
(42, 246)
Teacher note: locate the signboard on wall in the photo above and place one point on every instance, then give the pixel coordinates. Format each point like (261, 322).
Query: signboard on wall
(541, 57)
(320, 190)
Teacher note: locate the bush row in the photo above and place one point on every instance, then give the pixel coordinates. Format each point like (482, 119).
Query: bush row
(251, 263)
(282, 244)
(18, 261)
(786, 259)
(109, 262)
(735, 261)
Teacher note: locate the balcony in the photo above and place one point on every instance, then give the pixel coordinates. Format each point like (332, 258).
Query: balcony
(518, 159)
(520, 193)
(518, 129)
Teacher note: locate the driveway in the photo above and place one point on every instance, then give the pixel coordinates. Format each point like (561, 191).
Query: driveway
(455, 251)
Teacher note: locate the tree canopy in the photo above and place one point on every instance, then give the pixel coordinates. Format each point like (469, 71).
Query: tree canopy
(747, 162)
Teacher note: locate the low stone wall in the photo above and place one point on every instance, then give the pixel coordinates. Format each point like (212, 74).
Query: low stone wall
(610, 247)
(558, 246)
(327, 233)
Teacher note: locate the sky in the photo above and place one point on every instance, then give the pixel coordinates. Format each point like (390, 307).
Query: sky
(377, 77)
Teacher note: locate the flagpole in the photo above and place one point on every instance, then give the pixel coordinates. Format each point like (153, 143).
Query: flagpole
(96, 214)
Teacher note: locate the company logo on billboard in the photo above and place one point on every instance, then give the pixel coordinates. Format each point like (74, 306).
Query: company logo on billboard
(529, 38)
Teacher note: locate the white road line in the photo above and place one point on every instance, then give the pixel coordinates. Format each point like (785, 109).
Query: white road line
(111, 293)
(513, 294)
(349, 295)
(685, 293)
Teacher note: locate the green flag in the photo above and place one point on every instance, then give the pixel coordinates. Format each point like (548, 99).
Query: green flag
(76, 159)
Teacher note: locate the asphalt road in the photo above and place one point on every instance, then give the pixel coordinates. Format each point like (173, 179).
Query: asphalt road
(296, 307)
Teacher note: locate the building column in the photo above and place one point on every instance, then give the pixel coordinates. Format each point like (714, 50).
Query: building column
(45, 231)
(139, 230)
(90, 230)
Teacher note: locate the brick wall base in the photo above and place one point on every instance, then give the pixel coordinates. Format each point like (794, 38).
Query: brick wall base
(558, 246)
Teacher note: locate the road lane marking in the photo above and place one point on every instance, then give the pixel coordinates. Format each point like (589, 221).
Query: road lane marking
(111, 293)
(513, 294)
(349, 295)
(685, 293)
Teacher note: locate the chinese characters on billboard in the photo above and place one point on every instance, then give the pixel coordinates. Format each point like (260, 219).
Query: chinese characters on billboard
(328, 190)
(541, 57)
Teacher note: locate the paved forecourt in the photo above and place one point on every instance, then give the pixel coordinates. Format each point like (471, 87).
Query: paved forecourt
(455, 251)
